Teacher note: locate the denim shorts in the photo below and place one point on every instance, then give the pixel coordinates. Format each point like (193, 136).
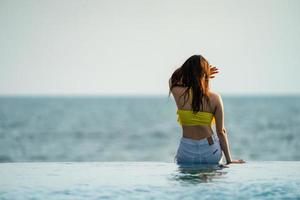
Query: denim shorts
(199, 151)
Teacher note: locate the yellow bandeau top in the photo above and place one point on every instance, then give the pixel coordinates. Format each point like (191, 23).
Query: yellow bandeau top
(188, 118)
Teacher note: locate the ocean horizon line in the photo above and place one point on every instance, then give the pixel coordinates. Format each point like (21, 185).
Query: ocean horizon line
(38, 95)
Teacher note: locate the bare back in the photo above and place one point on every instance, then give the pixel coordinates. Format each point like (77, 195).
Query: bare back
(199, 131)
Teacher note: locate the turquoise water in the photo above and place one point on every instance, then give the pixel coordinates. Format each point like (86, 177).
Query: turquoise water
(124, 148)
(34, 129)
(148, 180)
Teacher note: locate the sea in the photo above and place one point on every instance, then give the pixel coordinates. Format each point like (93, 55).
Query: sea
(138, 128)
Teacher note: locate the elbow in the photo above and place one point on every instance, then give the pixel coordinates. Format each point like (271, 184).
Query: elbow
(221, 132)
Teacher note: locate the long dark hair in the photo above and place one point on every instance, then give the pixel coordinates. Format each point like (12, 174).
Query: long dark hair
(193, 74)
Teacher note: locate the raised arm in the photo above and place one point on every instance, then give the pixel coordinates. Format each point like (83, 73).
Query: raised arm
(221, 131)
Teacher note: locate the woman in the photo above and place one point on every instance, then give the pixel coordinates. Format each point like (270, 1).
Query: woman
(198, 108)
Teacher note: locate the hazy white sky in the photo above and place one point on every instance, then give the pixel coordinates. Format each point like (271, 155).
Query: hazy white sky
(133, 46)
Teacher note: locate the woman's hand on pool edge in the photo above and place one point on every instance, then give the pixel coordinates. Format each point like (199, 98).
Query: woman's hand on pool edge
(239, 161)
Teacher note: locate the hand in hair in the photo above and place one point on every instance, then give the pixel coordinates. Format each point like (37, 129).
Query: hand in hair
(213, 70)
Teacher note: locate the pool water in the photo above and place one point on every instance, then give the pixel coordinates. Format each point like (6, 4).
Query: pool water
(149, 180)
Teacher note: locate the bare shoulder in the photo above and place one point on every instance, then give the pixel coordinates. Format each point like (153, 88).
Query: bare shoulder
(215, 96)
(178, 90)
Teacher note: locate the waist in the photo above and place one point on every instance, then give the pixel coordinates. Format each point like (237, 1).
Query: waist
(208, 140)
(197, 132)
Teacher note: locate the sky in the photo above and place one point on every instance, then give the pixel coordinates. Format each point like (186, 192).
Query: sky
(132, 47)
